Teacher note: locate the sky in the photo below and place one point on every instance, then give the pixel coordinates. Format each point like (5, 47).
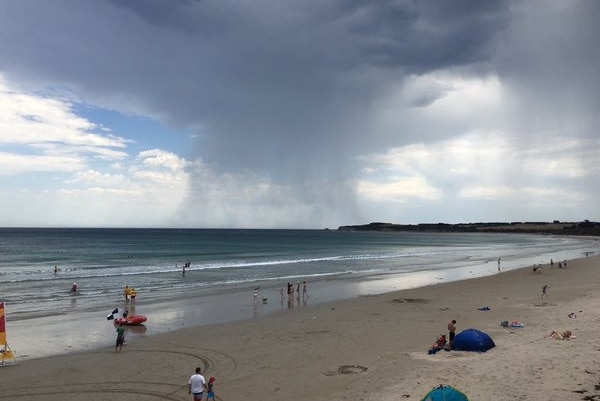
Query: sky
(298, 114)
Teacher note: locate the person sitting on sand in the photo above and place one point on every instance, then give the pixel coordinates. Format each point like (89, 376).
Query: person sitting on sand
(438, 344)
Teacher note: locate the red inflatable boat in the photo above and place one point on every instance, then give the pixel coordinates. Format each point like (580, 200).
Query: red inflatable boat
(131, 320)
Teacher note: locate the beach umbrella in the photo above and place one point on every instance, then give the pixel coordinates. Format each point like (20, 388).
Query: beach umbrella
(472, 340)
(445, 393)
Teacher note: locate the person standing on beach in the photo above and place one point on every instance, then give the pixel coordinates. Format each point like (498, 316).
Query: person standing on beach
(120, 337)
(196, 385)
(132, 294)
(545, 291)
(255, 298)
(126, 293)
(451, 333)
(498, 264)
(304, 289)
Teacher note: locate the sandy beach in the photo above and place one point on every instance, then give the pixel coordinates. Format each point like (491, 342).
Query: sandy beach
(367, 348)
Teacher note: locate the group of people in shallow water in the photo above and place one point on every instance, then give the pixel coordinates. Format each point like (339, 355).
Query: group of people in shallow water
(291, 292)
(74, 287)
(290, 289)
(185, 266)
(129, 293)
(538, 268)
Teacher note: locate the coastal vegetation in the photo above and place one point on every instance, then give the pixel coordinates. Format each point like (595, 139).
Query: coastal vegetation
(585, 227)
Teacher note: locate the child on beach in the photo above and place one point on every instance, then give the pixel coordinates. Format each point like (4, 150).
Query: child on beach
(439, 344)
(209, 387)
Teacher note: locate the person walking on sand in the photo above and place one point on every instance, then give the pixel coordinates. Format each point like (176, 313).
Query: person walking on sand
(451, 333)
(304, 289)
(120, 337)
(197, 385)
(545, 291)
(210, 391)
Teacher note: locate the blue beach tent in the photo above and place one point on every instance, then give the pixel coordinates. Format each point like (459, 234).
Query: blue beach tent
(445, 393)
(472, 340)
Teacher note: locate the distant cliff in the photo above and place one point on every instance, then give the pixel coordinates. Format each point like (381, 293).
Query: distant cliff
(560, 228)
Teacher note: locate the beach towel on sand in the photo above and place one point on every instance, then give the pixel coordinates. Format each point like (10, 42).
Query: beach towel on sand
(514, 324)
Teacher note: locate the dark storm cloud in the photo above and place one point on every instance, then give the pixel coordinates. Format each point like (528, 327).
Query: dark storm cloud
(265, 84)
(418, 37)
(551, 69)
(333, 108)
(551, 60)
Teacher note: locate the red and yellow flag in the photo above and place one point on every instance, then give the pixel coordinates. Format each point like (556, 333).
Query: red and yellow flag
(6, 355)
(2, 325)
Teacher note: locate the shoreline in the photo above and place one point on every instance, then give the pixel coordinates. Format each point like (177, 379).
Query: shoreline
(367, 348)
(85, 331)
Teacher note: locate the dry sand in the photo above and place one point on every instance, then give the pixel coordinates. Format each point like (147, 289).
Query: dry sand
(370, 348)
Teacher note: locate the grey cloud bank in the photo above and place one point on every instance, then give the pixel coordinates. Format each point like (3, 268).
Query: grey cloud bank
(339, 112)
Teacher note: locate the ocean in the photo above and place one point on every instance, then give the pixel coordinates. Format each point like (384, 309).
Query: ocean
(103, 261)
